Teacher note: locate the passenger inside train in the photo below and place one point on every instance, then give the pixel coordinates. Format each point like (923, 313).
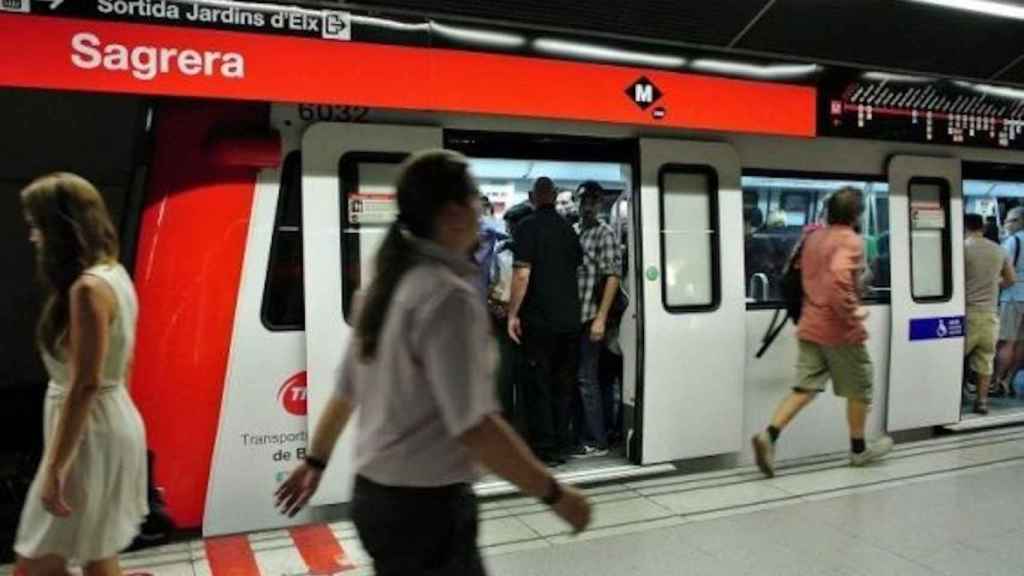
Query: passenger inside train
(998, 202)
(591, 412)
(593, 422)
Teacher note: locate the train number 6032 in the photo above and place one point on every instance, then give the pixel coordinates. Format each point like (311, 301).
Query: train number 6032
(329, 113)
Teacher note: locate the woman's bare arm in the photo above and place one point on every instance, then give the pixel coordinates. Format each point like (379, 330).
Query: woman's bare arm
(92, 307)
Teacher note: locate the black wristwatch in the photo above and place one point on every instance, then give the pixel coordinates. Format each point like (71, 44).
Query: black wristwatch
(316, 463)
(554, 493)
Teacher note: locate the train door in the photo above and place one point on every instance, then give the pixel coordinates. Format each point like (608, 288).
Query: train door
(348, 173)
(693, 334)
(927, 277)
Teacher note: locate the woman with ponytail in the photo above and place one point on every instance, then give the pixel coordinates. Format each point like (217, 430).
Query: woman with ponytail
(89, 494)
(421, 371)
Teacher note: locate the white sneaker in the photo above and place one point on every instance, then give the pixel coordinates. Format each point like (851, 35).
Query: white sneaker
(591, 452)
(875, 450)
(764, 453)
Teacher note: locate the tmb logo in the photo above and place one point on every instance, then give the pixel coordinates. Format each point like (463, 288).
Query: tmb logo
(292, 394)
(643, 93)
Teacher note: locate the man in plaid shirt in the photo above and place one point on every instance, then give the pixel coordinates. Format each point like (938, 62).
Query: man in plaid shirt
(601, 260)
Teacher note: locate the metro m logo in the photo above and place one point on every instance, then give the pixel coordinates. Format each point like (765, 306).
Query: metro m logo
(643, 93)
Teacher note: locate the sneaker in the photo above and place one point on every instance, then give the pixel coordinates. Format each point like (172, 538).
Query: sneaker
(576, 451)
(980, 408)
(589, 452)
(875, 450)
(764, 453)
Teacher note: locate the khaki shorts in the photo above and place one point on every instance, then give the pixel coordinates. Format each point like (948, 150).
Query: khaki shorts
(848, 365)
(980, 345)
(1010, 314)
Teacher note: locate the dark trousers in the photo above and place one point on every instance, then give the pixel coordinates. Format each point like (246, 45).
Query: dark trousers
(507, 359)
(418, 531)
(611, 378)
(591, 425)
(551, 356)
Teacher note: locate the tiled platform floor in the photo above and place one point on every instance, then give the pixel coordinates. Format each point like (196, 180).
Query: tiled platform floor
(952, 505)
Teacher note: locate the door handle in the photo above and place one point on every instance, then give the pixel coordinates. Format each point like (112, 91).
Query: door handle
(762, 279)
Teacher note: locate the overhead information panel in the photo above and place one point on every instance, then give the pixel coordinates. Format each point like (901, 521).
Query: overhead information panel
(916, 109)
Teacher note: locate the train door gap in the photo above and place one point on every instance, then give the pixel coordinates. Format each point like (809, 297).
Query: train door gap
(506, 167)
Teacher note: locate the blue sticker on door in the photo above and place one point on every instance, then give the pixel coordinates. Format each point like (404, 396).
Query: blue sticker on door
(936, 328)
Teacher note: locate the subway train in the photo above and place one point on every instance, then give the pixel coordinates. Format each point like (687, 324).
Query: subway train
(703, 282)
(261, 215)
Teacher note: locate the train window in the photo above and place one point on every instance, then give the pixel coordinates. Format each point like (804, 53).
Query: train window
(930, 270)
(689, 237)
(795, 209)
(776, 209)
(993, 199)
(368, 208)
(283, 306)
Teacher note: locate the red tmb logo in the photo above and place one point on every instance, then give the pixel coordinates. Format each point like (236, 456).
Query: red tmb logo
(292, 394)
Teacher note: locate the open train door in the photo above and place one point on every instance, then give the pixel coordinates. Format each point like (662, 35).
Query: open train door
(348, 174)
(693, 333)
(927, 272)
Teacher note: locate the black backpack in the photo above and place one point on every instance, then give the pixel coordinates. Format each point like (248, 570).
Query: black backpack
(792, 286)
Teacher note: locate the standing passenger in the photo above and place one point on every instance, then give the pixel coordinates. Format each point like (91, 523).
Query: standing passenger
(599, 278)
(544, 296)
(492, 233)
(88, 498)
(1011, 307)
(991, 229)
(518, 374)
(831, 332)
(488, 258)
(421, 372)
(565, 205)
(986, 268)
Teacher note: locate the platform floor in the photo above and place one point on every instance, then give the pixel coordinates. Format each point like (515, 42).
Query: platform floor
(952, 505)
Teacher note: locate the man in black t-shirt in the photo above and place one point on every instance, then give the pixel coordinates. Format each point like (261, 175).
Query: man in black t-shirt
(544, 317)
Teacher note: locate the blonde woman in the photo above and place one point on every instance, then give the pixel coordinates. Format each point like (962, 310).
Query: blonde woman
(89, 494)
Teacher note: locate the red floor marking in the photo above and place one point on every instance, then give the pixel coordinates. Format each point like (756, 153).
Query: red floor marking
(231, 556)
(320, 549)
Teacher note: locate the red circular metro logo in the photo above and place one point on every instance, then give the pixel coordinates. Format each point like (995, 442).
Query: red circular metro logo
(292, 394)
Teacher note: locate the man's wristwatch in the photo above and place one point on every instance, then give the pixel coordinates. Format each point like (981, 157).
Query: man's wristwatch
(554, 493)
(316, 463)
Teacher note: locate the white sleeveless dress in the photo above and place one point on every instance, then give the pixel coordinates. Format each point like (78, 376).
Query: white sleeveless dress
(106, 485)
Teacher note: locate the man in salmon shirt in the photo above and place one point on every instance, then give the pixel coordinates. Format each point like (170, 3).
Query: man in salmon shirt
(831, 332)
